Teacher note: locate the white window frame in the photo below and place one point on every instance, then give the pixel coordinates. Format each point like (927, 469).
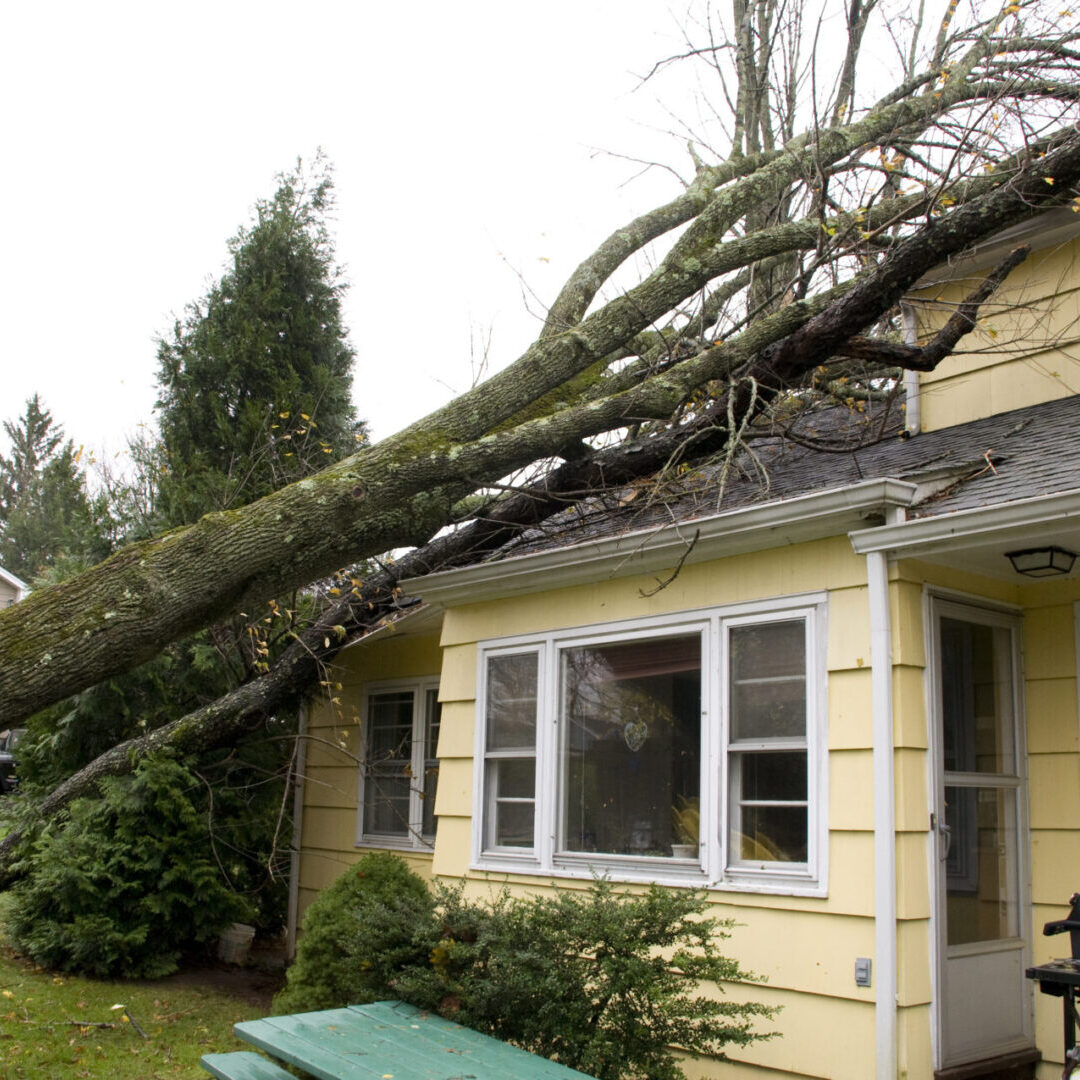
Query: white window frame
(414, 838)
(713, 867)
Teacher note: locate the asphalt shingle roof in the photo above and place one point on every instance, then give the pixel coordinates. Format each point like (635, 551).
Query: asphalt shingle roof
(1014, 455)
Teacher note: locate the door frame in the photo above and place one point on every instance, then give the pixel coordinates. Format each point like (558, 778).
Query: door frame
(938, 601)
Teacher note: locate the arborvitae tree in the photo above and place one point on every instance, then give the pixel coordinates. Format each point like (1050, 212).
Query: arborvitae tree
(255, 380)
(46, 513)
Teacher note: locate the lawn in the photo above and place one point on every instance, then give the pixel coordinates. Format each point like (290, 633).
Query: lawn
(62, 1026)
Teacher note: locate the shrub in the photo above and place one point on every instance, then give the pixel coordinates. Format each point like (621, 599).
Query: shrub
(359, 933)
(126, 883)
(603, 982)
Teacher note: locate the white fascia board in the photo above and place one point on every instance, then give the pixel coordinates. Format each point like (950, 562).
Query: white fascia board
(754, 528)
(981, 525)
(1042, 231)
(19, 586)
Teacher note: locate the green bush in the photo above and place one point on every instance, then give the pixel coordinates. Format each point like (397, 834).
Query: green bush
(358, 934)
(603, 982)
(126, 884)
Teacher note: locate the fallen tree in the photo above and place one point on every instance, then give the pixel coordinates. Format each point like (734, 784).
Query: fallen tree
(792, 251)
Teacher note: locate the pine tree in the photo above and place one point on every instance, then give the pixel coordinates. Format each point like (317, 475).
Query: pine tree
(46, 513)
(255, 380)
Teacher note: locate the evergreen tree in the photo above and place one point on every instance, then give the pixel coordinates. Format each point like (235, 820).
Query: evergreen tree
(46, 513)
(255, 380)
(254, 391)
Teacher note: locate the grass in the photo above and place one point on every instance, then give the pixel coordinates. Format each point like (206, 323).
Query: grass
(51, 1026)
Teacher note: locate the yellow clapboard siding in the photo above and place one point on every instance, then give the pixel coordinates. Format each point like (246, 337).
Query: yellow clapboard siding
(913, 962)
(1054, 791)
(331, 786)
(850, 710)
(457, 681)
(457, 730)
(454, 797)
(798, 569)
(1051, 716)
(1049, 650)
(912, 873)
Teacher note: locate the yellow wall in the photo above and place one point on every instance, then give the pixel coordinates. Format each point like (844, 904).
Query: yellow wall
(328, 837)
(1024, 350)
(804, 946)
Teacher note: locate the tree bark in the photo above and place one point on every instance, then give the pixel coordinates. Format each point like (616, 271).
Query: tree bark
(402, 491)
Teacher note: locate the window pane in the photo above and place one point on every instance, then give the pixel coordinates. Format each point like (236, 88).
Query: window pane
(768, 680)
(632, 755)
(386, 801)
(770, 777)
(511, 701)
(390, 721)
(981, 869)
(515, 778)
(772, 834)
(513, 826)
(977, 697)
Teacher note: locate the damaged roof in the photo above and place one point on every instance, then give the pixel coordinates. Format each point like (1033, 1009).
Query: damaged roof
(1011, 456)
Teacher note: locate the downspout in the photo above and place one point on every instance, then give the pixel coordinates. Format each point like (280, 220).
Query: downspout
(912, 384)
(299, 769)
(885, 1012)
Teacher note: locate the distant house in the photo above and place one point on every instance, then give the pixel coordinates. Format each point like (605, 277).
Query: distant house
(12, 590)
(852, 715)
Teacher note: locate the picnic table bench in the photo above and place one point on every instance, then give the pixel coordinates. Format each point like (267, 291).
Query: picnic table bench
(386, 1040)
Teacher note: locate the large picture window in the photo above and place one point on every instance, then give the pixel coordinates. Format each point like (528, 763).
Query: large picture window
(685, 747)
(400, 771)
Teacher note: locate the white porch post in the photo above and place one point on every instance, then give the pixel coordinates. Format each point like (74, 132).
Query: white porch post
(877, 572)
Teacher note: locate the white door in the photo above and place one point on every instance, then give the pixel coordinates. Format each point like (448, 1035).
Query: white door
(984, 1001)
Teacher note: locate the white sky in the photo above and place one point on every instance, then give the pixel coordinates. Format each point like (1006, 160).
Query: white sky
(139, 135)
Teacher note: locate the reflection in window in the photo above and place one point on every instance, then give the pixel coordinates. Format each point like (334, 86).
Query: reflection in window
(401, 767)
(632, 754)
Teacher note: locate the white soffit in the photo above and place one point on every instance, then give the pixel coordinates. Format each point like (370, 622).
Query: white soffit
(1003, 523)
(735, 532)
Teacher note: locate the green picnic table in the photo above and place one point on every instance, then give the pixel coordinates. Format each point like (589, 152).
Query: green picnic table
(386, 1040)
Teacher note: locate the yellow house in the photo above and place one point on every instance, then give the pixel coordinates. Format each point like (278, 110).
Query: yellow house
(862, 677)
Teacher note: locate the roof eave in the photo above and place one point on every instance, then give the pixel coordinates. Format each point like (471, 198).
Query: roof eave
(755, 528)
(979, 526)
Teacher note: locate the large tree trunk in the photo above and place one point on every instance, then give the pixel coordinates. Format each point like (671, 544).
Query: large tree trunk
(402, 491)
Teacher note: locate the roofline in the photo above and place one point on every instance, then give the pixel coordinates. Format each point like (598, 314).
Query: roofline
(17, 584)
(755, 528)
(1041, 231)
(980, 526)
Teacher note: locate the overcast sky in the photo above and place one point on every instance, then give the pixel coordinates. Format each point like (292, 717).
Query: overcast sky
(139, 135)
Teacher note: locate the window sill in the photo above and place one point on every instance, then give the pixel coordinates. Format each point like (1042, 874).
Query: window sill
(404, 845)
(681, 873)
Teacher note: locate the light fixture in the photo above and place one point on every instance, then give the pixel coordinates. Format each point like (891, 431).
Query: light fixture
(1042, 562)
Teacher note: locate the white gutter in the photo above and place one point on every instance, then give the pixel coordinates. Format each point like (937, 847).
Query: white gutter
(984, 525)
(912, 384)
(885, 1012)
(752, 528)
(299, 770)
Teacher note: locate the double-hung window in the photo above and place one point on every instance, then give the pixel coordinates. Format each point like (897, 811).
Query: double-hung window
(680, 747)
(400, 769)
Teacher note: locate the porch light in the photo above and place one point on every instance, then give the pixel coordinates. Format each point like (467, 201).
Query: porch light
(1042, 562)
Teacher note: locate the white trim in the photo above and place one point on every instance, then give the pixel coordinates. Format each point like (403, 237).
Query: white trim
(712, 625)
(938, 602)
(981, 526)
(20, 586)
(413, 840)
(885, 949)
(755, 528)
